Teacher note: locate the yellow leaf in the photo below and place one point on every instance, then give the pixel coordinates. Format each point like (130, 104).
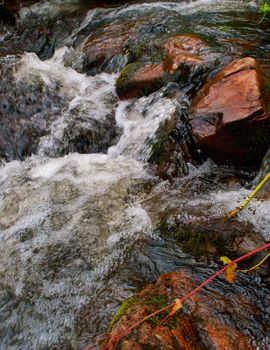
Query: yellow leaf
(177, 306)
(225, 260)
(230, 272)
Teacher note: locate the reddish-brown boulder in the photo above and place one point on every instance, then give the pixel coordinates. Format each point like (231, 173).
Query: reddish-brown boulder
(215, 318)
(136, 80)
(228, 115)
(186, 49)
(180, 54)
(149, 73)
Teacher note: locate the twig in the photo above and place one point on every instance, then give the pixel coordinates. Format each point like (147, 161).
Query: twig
(216, 274)
(248, 199)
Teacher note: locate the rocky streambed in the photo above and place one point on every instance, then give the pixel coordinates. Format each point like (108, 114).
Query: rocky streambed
(128, 131)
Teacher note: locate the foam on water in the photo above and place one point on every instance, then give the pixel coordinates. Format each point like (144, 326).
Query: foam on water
(53, 72)
(256, 213)
(49, 8)
(72, 207)
(142, 122)
(184, 7)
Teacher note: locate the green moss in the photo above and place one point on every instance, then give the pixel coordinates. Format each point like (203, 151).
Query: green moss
(264, 9)
(224, 28)
(123, 308)
(195, 242)
(158, 301)
(158, 147)
(122, 82)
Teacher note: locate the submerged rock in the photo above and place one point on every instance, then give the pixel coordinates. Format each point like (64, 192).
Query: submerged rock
(228, 116)
(179, 58)
(193, 215)
(218, 317)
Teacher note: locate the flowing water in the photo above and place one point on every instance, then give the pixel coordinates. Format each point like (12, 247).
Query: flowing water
(80, 201)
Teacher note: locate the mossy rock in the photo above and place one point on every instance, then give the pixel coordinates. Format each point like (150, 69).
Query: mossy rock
(122, 310)
(127, 87)
(211, 237)
(158, 148)
(194, 241)
(153, 302)
(123, 84)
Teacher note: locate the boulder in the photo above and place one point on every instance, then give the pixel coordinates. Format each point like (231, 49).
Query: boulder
(228, 116)
(178, 58)
(182, 49)
(218, 317)
(103, 50)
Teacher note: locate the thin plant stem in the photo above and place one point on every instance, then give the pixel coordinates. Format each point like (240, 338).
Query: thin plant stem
(248, 199)
(170, 306)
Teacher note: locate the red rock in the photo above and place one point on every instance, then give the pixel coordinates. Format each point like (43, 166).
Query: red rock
(182, 54)
(149, 73)
(183, 49)
(137, 80)
(211, 319)
(228, 115)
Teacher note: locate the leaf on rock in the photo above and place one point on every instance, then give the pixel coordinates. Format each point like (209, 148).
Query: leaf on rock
(230, 271)
(177, 306)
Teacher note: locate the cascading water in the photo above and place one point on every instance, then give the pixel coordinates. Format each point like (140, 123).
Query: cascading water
(80, 201)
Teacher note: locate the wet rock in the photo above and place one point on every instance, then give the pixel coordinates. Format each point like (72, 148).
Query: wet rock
(104, 50)
(47, 112)
(228, 115)
(6, 17)
(179, 59)
(213, 237)
(155, 131)
(215, 318)
(40, 27)
(182, 49)
(44, 36)
(137, 80)
(9, 10)
(193, 215)
(26, 107)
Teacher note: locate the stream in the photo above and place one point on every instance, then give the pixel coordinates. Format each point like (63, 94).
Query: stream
(86, 221)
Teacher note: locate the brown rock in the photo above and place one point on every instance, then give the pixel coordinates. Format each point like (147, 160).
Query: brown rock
(186, 49)
(228, 115)
(182, 53)
(211, 319)
(101, 47)
(149, 73)
(138, 79)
